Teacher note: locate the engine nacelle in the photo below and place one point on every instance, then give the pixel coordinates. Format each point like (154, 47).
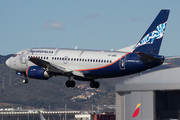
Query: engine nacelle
(37, 73)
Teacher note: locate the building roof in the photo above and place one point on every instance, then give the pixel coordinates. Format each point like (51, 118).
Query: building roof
(166, 79)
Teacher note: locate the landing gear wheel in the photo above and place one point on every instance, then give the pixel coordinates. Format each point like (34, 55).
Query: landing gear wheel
(25, 81)
(94, 84)
(97, 84)
(70, 83)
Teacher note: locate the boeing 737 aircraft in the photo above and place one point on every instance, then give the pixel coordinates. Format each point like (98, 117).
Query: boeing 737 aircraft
(90, 65)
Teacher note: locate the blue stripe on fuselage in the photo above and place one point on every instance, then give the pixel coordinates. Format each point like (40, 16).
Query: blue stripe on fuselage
(132, 65)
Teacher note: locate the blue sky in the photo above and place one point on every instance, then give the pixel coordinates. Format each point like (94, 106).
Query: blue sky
(88, 24)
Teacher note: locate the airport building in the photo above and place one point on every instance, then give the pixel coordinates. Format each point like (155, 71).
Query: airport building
(34, 115)
(151, 96)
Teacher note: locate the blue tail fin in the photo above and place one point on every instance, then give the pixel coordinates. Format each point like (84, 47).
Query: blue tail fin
(151, 41)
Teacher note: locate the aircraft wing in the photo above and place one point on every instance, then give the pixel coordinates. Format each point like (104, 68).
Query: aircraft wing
(54, 68)
(170, 58)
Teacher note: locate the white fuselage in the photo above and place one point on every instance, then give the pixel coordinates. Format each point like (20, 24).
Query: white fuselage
(70, 59)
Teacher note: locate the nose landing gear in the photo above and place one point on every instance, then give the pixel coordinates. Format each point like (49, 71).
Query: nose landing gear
(25, 81)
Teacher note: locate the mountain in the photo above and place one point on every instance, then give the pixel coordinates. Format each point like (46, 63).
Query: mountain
(53, 92)
(4, 58)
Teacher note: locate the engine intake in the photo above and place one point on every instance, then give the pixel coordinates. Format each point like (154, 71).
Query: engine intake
(37, 72)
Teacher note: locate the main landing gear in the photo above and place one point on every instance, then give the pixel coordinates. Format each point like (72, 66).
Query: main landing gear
(70, 83)
(93, 84)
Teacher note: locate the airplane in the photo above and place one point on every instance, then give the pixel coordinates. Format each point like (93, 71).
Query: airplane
(90, 65)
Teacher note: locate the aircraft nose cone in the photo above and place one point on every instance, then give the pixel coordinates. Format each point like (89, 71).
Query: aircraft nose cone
(7, 62)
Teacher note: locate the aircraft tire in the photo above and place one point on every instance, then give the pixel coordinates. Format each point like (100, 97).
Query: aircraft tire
(25, 81)
(94, 84)
(97, 84)
(73, 83)
(70, 83)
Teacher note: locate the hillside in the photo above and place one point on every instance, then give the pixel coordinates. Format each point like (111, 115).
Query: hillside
(53, 92)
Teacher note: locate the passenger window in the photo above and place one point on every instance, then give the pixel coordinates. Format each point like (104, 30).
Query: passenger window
(77, 59)
(107, 61)
(88, 60)
(68, 59)
(74, 59)
(96, 60)
(71, 59)
(55, 58)
(62, 58)
(52, 58)
(104, 61)
(110, 61)
(101, 60)
(82, 59)
(91, 60)
(47, 58)
(85, 60)
(65, 58)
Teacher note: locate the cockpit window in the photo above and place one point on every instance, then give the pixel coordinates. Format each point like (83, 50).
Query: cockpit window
(14, 55)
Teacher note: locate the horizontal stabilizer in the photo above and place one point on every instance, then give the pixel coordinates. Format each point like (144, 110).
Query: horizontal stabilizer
(149, 61)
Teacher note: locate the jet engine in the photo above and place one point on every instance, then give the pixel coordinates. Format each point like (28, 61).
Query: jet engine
(37, 73)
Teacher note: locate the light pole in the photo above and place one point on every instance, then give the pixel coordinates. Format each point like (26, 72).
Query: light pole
(59, 116)
(65, 112)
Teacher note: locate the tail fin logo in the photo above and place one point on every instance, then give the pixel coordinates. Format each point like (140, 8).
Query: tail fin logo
(137, 109)
(156, 34)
